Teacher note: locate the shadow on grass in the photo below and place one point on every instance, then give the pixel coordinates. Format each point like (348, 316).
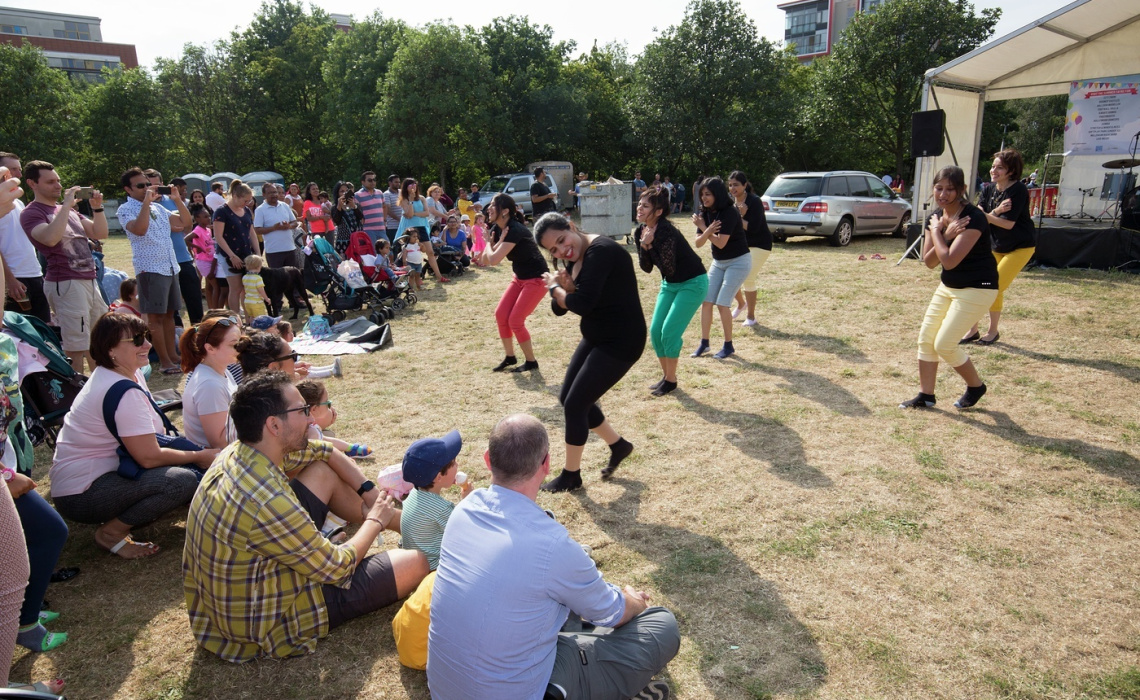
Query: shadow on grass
(744, 633)
(840, 347)
(1115, 463)
(1129, 372)
(762, 439)
(814, 387)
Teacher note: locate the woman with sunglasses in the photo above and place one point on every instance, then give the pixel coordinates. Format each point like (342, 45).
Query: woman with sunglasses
(207, 350)
(260, 351)
(85, 484)
(599, 285)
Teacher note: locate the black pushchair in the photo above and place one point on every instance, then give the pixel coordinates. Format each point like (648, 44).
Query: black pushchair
(321, 278)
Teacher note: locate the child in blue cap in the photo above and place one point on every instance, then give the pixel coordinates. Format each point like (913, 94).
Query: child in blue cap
(430, 465)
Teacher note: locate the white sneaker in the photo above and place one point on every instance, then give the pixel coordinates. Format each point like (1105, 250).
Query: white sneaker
(336, 368)
(750, 322)
(737, 311)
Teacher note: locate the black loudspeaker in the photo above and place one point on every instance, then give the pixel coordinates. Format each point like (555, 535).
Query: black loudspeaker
(926, 133)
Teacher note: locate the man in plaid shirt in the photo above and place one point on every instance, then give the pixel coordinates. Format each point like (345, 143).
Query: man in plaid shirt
(260, 578)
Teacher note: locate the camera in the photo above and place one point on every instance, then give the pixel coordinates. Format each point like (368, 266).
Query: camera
(162, 189)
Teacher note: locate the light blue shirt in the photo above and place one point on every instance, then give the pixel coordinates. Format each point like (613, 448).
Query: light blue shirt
(177, 239)
(153, 252)
(508, 577)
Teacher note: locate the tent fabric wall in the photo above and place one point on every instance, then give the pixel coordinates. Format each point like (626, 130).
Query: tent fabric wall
(1086, 39)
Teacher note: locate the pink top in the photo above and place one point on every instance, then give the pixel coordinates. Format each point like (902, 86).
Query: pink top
(205, 241)
(85, 450)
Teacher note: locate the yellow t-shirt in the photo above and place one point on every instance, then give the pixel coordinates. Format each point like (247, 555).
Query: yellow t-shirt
(410, 626)
(252, 283)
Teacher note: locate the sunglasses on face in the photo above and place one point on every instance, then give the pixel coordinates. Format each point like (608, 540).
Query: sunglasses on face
(292, 356)
(139, 338)
(306, 409)
(140, 185)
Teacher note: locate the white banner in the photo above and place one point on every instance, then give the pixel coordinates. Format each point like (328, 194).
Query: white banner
(1103, 116)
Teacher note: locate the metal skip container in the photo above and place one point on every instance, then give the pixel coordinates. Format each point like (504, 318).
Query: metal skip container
(607, 209)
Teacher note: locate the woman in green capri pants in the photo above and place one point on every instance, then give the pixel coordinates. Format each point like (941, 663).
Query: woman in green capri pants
(684, 283)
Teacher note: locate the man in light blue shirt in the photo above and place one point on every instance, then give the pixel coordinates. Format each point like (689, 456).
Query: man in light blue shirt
(509, 576)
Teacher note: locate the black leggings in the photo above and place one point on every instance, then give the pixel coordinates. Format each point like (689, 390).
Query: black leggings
(591, 373)
(190, 285)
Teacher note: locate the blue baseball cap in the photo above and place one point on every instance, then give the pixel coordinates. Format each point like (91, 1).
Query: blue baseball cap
(264, 323)
(427, 457)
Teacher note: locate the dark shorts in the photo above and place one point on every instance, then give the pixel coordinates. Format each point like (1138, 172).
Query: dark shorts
(285, 259)
(158, 294)
(373, 583)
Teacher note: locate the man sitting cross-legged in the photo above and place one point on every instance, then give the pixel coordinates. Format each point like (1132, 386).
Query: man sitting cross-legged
(260, 578)
(509, 576)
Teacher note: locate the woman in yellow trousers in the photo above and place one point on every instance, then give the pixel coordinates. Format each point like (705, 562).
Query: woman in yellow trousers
(1005, 200)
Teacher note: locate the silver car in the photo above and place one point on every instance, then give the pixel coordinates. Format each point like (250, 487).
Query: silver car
(517, 185)
(837, 205)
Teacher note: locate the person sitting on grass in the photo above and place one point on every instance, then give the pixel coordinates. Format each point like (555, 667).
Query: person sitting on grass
(430, 466)
(273, 325)
(259, 577)
(255, 296)
(128, 301)
(324, 415)
(412, 257)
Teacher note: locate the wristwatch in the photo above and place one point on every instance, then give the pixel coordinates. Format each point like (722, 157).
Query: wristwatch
(7, 473)
(552, 288)
(365, 488)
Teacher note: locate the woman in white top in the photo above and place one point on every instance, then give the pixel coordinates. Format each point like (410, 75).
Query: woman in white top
(85, 484)
(207, 349)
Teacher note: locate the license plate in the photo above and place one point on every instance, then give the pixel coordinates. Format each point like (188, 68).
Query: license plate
(787, 205)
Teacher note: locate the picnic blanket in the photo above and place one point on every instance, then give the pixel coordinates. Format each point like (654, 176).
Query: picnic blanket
(352, 337)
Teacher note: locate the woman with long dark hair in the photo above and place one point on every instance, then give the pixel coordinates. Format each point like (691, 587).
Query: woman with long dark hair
(1005, 199)
(511, 239)
(346, 215)
(759, 240)
(718, 222)
(598, 284)
(416, 210)
(958, 239)
(316, 219)
(684, 283)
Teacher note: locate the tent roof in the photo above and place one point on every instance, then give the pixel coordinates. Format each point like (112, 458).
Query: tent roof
(1085, 39)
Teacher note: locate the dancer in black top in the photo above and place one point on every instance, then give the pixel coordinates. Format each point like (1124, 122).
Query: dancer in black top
(759, 241)
(511, 239)
(599, 285)
(958, 238)
(683, 282)
(719, 223)
(1005, 200)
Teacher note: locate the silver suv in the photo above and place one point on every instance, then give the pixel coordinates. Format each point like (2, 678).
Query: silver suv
(516, 185)
(836, 205)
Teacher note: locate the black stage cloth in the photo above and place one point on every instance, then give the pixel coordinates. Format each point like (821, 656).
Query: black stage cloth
(1078, 246)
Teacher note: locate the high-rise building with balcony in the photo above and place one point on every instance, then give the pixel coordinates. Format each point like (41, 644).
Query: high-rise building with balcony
(813, 26)
(71, 43)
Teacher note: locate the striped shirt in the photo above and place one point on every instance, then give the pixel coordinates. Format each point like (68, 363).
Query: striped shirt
(372, 206)
(254, 562)
(422, 522)
(391, 198)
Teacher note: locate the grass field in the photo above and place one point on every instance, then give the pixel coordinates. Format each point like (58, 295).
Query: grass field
(814, 540)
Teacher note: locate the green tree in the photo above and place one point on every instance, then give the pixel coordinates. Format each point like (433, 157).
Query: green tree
(433, 117)
(353, 73)
(125, 123)
(602, 144)
(707, 95)
(866, 90)
(1041, 127)
(41, 104)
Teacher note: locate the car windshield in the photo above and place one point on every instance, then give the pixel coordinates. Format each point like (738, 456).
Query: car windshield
(794, 187)
(495, 185)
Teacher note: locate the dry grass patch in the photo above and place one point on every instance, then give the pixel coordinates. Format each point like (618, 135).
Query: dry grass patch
(813, 539)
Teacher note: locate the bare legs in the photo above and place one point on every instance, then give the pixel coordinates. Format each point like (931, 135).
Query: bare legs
(669, 368)
(725, 320)
(162, 336)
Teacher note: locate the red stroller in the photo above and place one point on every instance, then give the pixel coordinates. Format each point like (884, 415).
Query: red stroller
(387, 285)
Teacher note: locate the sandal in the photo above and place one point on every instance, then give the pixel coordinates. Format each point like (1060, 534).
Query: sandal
(38, 639)
(171, 370)
(152, 547)
(358, 450)
(47, 616)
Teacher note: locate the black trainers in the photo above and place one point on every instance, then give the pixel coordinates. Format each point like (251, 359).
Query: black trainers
(566, 481)
(507, 362)
(920, 401)
(656, 690)
(971, 397)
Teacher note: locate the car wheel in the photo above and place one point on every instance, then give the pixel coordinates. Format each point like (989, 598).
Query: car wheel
(900, 232)
(843, 233)
(780, 239)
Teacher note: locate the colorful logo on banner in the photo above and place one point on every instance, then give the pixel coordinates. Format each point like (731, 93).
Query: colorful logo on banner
(1103, 115)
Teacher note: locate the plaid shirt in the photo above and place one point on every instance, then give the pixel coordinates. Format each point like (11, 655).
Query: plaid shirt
(254, 562)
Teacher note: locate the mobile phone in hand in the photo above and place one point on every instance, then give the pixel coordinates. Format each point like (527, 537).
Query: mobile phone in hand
(163, 189)
(85, 193)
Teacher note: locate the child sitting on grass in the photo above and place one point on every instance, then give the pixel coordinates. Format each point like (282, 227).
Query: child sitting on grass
(255, 296)
(413, 257)
(324, 415)
(430, 466)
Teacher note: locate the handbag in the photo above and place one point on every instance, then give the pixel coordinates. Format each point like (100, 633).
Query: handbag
(128, 467)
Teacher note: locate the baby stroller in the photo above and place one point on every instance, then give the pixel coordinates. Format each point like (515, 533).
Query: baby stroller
(48, 395)
(450, 260)
(394, 281)
(360, 249)
(321, 278)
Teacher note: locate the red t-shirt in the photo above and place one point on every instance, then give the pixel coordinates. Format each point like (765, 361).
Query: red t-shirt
(71, 258)
(313, 212)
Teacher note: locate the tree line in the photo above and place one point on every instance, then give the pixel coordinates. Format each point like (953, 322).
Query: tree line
(293, 94)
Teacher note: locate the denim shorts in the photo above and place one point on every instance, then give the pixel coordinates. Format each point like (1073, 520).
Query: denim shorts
(725, 278)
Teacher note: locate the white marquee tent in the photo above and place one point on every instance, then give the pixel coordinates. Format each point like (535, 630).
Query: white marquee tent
(1086, 39)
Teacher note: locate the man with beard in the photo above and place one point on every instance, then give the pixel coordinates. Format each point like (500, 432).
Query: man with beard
(259, 577)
